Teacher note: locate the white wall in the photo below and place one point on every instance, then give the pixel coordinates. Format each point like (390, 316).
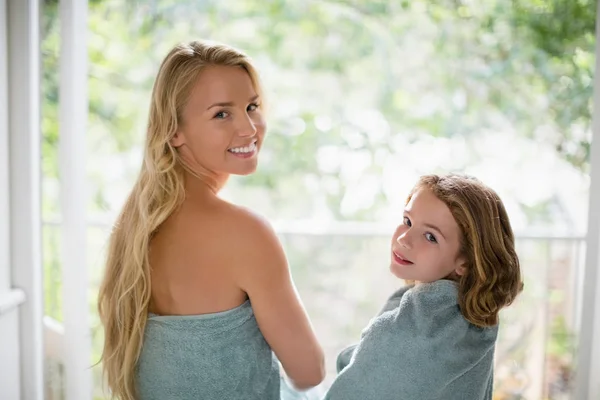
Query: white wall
(9, 322)
(10, 376)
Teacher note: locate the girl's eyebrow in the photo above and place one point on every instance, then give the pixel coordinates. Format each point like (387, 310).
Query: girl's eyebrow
(435, 228)
(430, 226)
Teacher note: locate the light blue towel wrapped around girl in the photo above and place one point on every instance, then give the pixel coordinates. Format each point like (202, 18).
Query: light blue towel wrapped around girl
(420, 348)
(435, 339)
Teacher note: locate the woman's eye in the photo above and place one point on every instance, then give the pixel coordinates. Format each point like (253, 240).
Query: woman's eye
(252, 107)
(407, 221)
(221, 115)
(430, 238)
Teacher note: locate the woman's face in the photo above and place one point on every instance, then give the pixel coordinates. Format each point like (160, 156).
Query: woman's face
(222, 126)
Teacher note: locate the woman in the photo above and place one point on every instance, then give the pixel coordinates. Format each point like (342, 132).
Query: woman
(197, 293)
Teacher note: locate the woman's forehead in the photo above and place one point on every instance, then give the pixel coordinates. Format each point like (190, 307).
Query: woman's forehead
(222, 84)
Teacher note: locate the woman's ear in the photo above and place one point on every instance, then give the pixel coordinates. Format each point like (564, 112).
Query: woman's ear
(178, 139)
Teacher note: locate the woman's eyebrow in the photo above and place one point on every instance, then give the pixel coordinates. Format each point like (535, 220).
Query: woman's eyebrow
(230, 103)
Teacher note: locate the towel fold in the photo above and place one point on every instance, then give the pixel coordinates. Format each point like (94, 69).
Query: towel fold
(420, 347)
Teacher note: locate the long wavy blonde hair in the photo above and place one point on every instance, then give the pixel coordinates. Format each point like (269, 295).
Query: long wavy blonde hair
(159, 190)
(492, 279)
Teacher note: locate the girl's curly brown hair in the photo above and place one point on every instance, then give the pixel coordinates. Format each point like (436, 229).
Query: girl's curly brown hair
(492, 278)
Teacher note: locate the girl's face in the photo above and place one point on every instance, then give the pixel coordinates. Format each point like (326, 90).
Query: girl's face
(425, 246)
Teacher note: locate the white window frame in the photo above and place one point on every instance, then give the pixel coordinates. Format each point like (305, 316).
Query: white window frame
(587, 385)
(24, 188)
(73, 117)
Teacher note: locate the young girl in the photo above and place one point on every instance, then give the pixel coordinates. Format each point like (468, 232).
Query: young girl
(435, 338)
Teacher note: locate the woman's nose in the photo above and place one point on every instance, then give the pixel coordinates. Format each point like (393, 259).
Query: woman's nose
(247, 127)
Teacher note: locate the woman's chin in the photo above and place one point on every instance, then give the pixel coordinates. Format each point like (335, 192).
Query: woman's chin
(244, 171)
(247, 167)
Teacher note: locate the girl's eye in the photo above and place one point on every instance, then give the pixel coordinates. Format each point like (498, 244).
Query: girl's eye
(407, 221)
(252, 107)
(221, 115)
(430, 238)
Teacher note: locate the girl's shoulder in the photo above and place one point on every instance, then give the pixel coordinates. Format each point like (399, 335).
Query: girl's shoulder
(439, 295)
(430, 308)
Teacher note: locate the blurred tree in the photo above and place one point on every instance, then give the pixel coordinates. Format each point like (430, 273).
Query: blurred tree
(563, 32)
(345, 75)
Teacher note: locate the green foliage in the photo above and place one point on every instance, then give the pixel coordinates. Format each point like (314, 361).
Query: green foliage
(563, 31)
(562, 340)
(440, 69)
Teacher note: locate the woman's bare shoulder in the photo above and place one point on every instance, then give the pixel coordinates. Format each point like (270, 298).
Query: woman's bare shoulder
(238, 220)
(224, 225)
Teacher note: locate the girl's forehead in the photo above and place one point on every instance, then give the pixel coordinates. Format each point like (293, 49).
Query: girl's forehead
(425, 199)
(425, 207)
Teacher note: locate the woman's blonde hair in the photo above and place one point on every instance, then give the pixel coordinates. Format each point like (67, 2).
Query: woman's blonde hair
(492, 278)
(159, 190)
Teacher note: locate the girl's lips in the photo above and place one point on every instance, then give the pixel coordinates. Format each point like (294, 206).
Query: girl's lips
(399, 259)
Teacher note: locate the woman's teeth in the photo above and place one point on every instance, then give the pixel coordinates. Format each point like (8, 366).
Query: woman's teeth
(247, 149)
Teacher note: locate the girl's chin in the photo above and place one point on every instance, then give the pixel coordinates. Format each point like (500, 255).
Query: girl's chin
(399, 272)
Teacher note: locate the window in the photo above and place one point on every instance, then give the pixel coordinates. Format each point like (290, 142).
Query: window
(366, 96)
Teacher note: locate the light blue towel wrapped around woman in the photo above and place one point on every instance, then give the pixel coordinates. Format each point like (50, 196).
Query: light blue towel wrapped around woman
(420, 347)
(214, 356)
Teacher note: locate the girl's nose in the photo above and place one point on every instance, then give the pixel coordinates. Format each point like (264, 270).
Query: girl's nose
(404, 240)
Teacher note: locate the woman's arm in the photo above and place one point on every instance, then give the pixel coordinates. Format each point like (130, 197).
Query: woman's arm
(263, 273)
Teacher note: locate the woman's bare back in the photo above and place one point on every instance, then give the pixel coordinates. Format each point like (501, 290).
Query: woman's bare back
(192, 259)
(211, 256)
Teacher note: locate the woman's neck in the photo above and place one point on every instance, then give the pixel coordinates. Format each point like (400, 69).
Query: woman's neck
(202, 185)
